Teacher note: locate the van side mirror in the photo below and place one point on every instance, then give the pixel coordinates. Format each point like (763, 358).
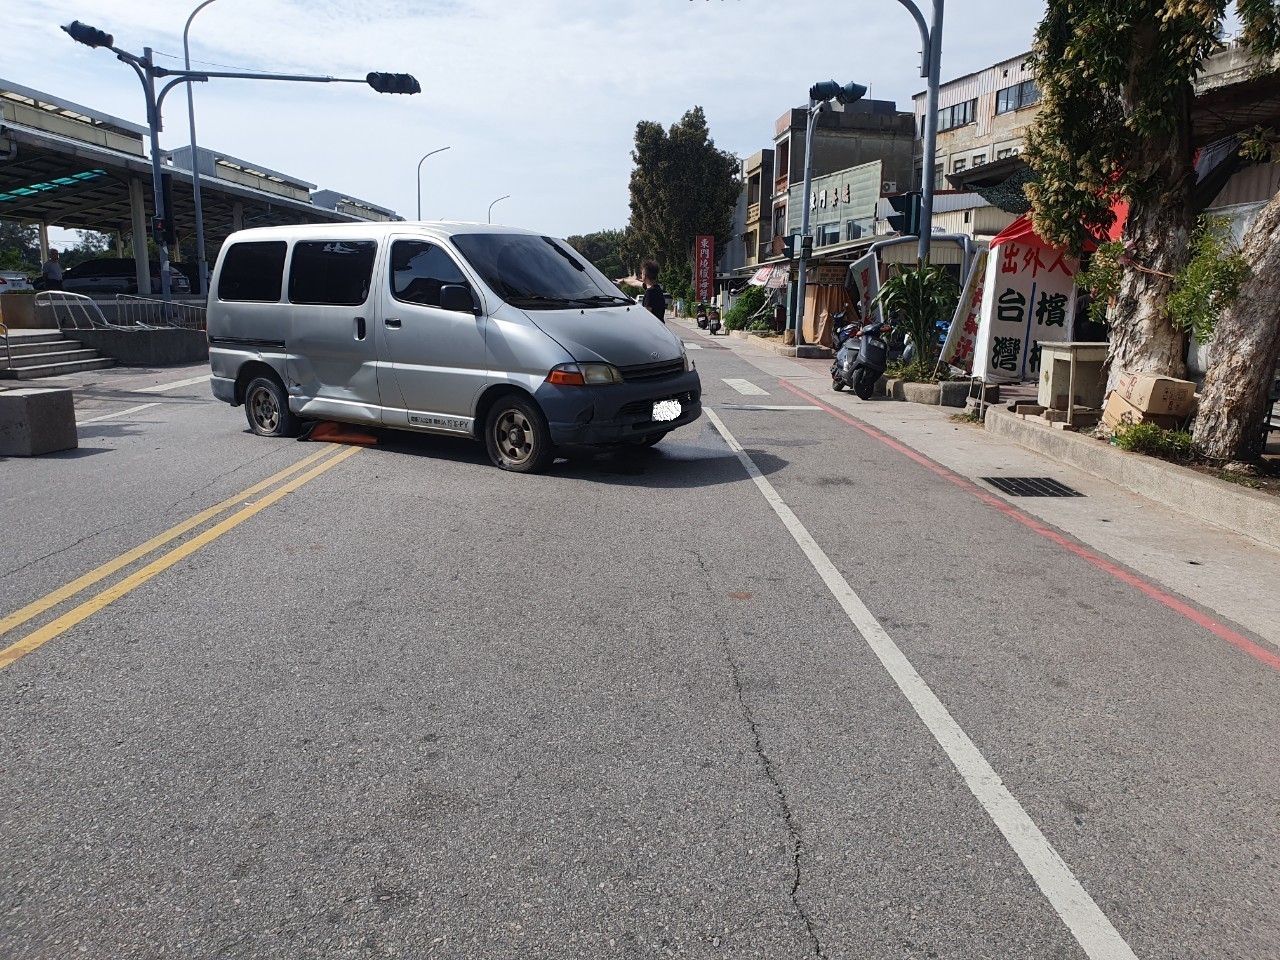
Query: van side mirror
(456, 297)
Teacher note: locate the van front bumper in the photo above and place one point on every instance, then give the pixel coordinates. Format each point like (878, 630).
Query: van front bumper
(617, 413)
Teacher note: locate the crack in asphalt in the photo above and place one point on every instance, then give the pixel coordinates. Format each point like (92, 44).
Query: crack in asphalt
(797, 845)
(70, 546)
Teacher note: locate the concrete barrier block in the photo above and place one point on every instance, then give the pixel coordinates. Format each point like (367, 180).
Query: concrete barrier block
(35, 421)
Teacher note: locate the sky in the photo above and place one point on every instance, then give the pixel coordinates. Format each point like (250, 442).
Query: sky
(538, 99)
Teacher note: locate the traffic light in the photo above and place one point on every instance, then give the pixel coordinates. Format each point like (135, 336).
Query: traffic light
(89, 36)
(394, 83)
(825, 90)
(906, 216)
(789, 246)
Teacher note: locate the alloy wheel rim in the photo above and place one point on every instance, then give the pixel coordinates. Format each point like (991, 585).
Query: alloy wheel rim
(266, 412)
(514, 436)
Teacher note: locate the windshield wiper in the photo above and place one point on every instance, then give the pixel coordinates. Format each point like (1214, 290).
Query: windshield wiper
(539, 300)
(604, 298)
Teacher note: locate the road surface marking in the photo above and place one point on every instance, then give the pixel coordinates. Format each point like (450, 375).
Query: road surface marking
(1220, 630)
(38, 638)
(690, 345)
(747, 388)
(118, 413)
(47, 602)
(161, 388)
(768, 406)
(1086, 921)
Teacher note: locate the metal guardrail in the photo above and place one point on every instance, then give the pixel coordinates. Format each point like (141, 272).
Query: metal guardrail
(147, 312)
(72, 311)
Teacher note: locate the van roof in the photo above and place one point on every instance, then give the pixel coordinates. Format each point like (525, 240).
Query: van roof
(372, 229)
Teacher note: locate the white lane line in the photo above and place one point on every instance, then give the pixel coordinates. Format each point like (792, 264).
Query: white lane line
(1086, 921)
(118, 413)
(161, 388)
(768, 406)
(690, 345)
(747, 388)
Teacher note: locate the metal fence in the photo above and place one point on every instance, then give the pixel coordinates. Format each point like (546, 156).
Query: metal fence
(70, 311)
(148, 312)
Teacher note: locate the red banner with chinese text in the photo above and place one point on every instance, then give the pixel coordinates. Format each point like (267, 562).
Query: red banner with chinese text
(704, 268)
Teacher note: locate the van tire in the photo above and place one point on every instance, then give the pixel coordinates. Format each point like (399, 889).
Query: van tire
(266, 407)
(517, 436)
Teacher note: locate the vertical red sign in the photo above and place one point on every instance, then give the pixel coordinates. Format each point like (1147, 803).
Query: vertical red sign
(704, 268)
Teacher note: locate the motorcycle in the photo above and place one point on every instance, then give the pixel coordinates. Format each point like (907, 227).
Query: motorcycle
(862, 355)
(713, 321)
(702, 317)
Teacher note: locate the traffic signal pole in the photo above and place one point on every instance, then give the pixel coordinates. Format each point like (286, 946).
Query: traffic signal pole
(930, 68)
(147, 72)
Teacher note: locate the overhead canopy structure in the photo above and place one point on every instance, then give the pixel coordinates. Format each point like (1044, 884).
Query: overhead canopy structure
(62, 164)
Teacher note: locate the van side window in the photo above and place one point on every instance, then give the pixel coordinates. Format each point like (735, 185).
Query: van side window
(253, 271)
(418, 271)
(335, 272)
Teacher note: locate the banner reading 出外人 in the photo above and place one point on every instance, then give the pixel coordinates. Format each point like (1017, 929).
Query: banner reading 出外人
(963, 335)
(704, 268)
(1028, 298)
(865, 274)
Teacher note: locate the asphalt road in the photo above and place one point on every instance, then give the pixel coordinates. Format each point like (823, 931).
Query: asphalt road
(816, 698)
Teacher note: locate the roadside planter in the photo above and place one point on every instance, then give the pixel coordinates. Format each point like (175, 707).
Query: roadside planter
(948, 393)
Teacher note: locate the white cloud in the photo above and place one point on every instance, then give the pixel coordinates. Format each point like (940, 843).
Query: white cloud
(535, 98)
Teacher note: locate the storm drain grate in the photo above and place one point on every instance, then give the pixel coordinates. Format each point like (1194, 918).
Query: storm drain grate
(1032, 487)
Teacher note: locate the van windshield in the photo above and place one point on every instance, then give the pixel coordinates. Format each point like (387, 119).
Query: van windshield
(537, 273)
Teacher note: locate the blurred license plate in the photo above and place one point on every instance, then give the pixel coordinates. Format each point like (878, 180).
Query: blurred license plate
(666, 410)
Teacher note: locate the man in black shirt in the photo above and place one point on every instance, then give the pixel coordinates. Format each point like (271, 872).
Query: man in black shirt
(655, 300)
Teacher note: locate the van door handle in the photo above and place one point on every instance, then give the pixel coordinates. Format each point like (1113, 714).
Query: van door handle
(392, 322)
(360, 328)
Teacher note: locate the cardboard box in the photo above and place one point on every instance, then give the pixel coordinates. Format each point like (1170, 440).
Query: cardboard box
(1159, 395)
(1120, 412)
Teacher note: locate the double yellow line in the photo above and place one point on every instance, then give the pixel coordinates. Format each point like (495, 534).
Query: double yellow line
(113, 593)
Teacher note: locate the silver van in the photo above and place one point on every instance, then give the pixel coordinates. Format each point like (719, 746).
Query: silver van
(499, 334)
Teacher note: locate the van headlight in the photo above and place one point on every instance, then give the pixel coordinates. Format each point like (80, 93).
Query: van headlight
(684, 355)
(584, 374)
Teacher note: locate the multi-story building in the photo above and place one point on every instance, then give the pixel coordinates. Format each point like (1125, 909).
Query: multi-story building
(983, 118)
(844, 137)
(352, 207)
(757, 181)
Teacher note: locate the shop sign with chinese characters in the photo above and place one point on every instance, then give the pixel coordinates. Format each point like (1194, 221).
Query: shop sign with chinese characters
(704, 268)
(1028, 298)
(963, 335)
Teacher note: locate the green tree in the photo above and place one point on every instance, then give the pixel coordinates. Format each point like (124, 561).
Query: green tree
(19, 246)
(682, 187)
(1115, 123)
(604, 250)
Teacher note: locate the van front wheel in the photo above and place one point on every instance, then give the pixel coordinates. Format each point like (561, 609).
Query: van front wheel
(517, 436)
(267, 409)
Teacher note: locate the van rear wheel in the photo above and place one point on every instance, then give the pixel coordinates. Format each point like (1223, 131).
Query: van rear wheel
(517, 437)
(267, 409)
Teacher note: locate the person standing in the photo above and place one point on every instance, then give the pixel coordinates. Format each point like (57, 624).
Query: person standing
(655, 299)
(51, 272)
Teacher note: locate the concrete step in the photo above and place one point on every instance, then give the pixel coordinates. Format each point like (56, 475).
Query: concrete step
(17, 337)
(72, 355)
(21, 349)
(54, 369)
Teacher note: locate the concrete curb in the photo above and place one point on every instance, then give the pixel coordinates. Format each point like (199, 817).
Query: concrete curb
(806, 351)
(1247, 512)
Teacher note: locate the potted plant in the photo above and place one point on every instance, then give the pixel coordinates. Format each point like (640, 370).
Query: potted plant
(918, 301)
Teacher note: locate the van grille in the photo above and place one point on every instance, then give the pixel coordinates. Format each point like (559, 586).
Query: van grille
(644, 408)
(652, 371)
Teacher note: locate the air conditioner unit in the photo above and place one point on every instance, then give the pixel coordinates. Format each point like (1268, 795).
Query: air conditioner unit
(889, 186)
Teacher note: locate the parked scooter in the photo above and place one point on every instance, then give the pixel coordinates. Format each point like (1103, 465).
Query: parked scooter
(713, 321)
(862, 355)
(702, 317)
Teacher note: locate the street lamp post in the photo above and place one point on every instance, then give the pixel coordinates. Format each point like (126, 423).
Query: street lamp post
(202, 263)
(431, 154)
(147, 71)
(820, 96)
(492, 205)
(930, 68)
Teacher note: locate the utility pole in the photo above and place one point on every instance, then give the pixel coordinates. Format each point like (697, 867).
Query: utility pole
(930, 69)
